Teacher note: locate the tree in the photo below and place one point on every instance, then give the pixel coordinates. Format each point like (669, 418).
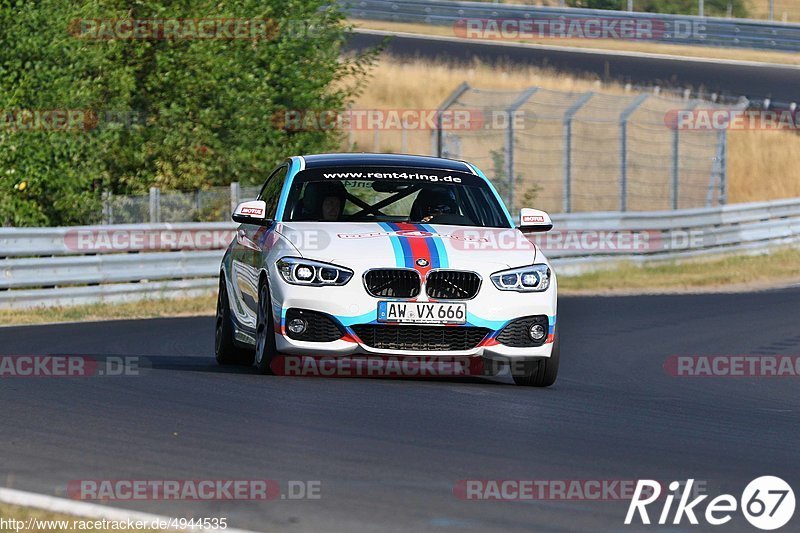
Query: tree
(176, 113)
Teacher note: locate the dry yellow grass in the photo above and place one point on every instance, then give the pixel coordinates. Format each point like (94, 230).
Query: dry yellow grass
(762, 164)
(785, 10)
(426, 84)
(152, 308)
(764, 56)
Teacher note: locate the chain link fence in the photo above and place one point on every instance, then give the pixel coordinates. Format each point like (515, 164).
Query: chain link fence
(211, 205)
(569, 152)
(558, 151)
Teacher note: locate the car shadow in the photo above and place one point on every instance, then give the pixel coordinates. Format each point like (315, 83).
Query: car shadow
(128, 365)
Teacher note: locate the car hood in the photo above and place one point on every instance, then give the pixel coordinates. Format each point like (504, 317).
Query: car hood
(370, 244)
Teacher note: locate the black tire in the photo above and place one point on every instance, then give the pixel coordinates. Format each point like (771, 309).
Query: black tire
(541, 372)
(226, 351)
(265, 332)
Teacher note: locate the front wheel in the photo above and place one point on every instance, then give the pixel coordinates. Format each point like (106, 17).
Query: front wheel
(227, 353)
(542, 372)
(265, 331)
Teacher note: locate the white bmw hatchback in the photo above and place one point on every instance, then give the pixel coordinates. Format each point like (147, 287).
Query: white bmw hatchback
(346, 255)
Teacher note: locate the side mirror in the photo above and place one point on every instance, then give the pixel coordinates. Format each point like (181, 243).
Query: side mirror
(534, 221)
(253, 212)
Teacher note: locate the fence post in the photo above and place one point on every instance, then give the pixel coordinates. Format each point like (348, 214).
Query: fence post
(461, 89)
(568, 116)
(108, 215)
(155, 205)
(236, 194)
(350, 134)
(723, 176)
(675, 165)
(404, 137)
(676, 161)
(717, 182)
(509, 145)
(623, 149)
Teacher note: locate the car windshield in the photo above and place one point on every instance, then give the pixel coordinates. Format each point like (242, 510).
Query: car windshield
(427, 196)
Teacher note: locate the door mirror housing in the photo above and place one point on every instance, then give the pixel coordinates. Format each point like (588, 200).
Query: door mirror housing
(252, 212)
(534, 221)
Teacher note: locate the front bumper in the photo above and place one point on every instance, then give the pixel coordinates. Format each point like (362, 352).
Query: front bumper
(351, 305)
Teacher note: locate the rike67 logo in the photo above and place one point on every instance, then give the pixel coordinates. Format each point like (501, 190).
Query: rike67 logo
(767, 503)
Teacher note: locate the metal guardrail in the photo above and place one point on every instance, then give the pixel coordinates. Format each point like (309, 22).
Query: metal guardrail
(674, 29)
(756, 227)
(69, 266)
(90, 264)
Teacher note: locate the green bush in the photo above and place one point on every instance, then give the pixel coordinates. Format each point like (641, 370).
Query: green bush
(177, 114)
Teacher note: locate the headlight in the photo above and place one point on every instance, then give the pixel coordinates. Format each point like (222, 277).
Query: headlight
(534, 278)
(313, 273)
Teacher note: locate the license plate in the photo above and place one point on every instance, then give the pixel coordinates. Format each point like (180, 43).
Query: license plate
(422, 312)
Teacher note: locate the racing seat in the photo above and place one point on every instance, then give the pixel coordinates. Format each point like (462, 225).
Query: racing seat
(309, 207)
(440, 204)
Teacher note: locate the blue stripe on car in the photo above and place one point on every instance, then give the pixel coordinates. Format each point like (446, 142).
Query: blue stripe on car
(294, 168)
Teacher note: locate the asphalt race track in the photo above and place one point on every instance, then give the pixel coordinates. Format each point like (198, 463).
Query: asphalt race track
(780, 83)
(388, 452)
